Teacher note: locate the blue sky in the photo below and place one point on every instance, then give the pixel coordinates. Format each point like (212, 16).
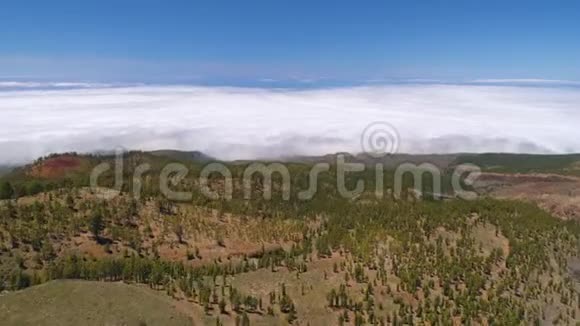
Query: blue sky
(305, 41)
(128, 73)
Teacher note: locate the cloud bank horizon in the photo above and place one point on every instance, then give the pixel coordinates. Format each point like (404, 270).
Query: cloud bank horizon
(248, 123)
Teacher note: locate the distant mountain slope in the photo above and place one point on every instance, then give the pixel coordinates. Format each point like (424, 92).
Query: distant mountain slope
(523, 163)
(72, 169)
(388, 161)
(88, 303)
(5, 169)
(183, 155)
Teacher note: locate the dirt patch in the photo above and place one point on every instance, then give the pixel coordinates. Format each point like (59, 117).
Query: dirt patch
(85, 245)
(489, 238)
(574, 268)
(524, 178)
(557, 194)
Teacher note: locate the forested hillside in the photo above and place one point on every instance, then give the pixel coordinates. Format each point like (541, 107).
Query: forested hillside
(324, 261)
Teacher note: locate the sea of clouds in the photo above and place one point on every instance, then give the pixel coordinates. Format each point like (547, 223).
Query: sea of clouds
(245, 123)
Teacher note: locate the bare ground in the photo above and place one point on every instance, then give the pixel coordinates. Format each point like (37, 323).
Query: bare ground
(557, 194)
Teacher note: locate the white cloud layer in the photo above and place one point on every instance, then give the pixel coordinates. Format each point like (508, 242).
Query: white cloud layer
(243, 123)
(49, 85)
(528, 81)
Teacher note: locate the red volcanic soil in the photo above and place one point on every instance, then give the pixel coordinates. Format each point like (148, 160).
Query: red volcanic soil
(55, 167)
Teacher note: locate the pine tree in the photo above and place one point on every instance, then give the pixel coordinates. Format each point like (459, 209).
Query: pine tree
(6, 190)
(97, 224)
(245, 320)
(222, 305)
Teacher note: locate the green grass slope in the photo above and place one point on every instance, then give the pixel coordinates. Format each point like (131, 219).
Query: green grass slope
(88, 303)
